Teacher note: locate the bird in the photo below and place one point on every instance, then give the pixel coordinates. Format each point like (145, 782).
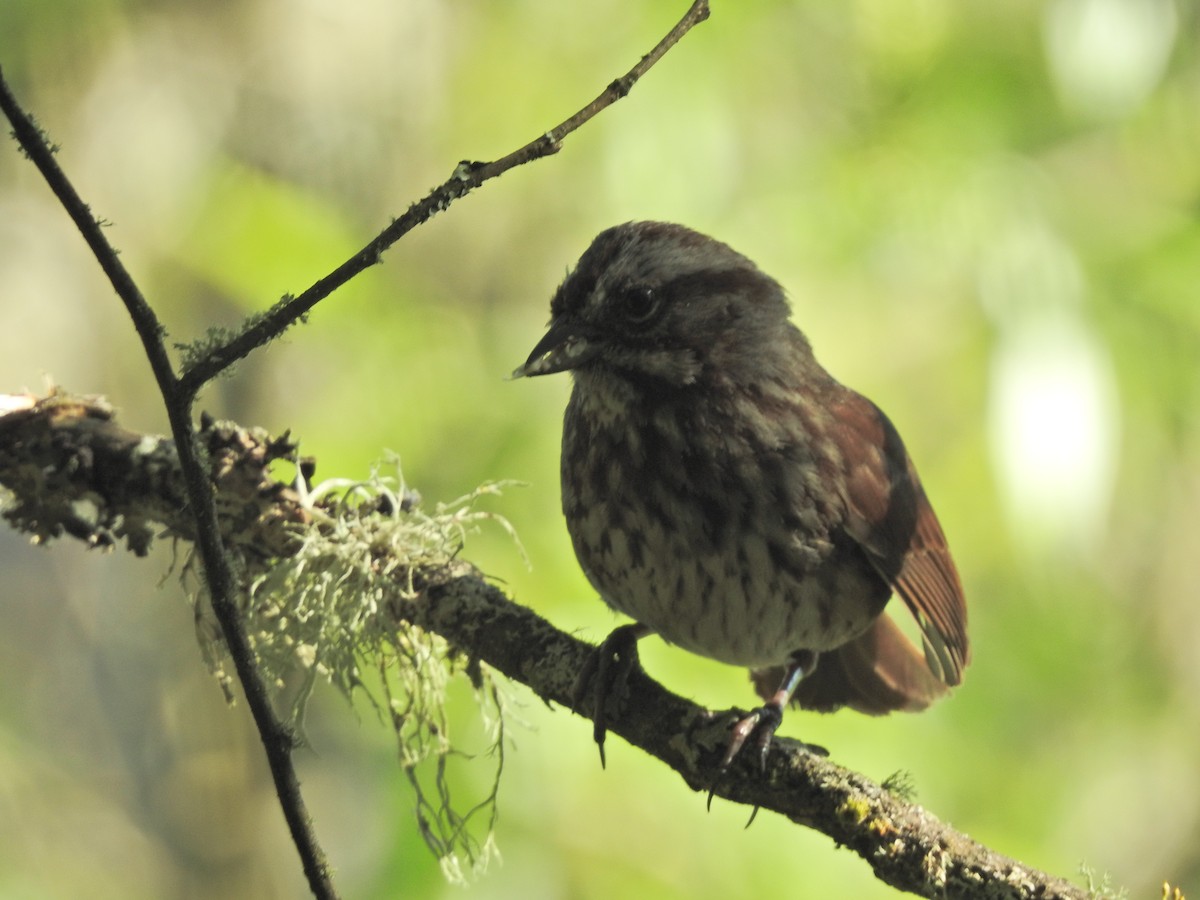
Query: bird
(726, 493)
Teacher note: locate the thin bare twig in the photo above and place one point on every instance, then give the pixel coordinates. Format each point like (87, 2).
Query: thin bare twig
(276, 737)
(466, 177)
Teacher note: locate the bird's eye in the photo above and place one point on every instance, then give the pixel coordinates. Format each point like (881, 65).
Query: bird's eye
(638, 304)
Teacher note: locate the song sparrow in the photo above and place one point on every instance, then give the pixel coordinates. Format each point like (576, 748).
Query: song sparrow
(725, 492)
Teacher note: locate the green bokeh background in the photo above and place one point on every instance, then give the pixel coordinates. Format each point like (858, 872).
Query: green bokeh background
(986, 216)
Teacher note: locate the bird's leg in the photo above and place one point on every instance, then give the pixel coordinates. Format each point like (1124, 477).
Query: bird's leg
(609, 666)
(761, 723)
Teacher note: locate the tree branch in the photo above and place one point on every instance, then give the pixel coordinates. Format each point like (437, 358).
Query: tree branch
(63, 454)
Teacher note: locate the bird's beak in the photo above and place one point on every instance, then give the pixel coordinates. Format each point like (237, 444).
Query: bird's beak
(561, 348)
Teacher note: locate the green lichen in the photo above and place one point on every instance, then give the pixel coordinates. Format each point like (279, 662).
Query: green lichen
(333, 612)
(854, 810)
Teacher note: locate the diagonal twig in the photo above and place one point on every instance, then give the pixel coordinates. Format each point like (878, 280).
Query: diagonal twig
(466, 177)
(277, 739)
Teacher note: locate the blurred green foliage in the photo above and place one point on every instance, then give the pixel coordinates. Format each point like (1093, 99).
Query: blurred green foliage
(986, 215)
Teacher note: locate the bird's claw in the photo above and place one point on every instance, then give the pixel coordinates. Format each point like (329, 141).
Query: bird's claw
(759, 725)
(608, 670)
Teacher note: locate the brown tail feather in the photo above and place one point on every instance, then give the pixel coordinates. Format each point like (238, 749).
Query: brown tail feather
(878, 672)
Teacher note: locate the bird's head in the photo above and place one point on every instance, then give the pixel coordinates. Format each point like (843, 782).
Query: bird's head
(651, 301)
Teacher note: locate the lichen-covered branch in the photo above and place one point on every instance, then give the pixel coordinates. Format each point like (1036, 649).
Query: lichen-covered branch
(72, 470)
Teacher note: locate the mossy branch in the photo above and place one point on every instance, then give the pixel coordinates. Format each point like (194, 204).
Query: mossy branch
(73, 471)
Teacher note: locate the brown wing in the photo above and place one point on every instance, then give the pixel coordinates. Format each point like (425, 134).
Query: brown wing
(890, 517)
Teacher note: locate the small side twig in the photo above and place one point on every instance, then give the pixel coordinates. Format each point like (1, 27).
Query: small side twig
(467, 176)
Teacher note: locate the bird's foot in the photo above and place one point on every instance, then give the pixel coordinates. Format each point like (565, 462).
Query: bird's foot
(762, 723)
(607, 671)
(758, 728)
(759, 725)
